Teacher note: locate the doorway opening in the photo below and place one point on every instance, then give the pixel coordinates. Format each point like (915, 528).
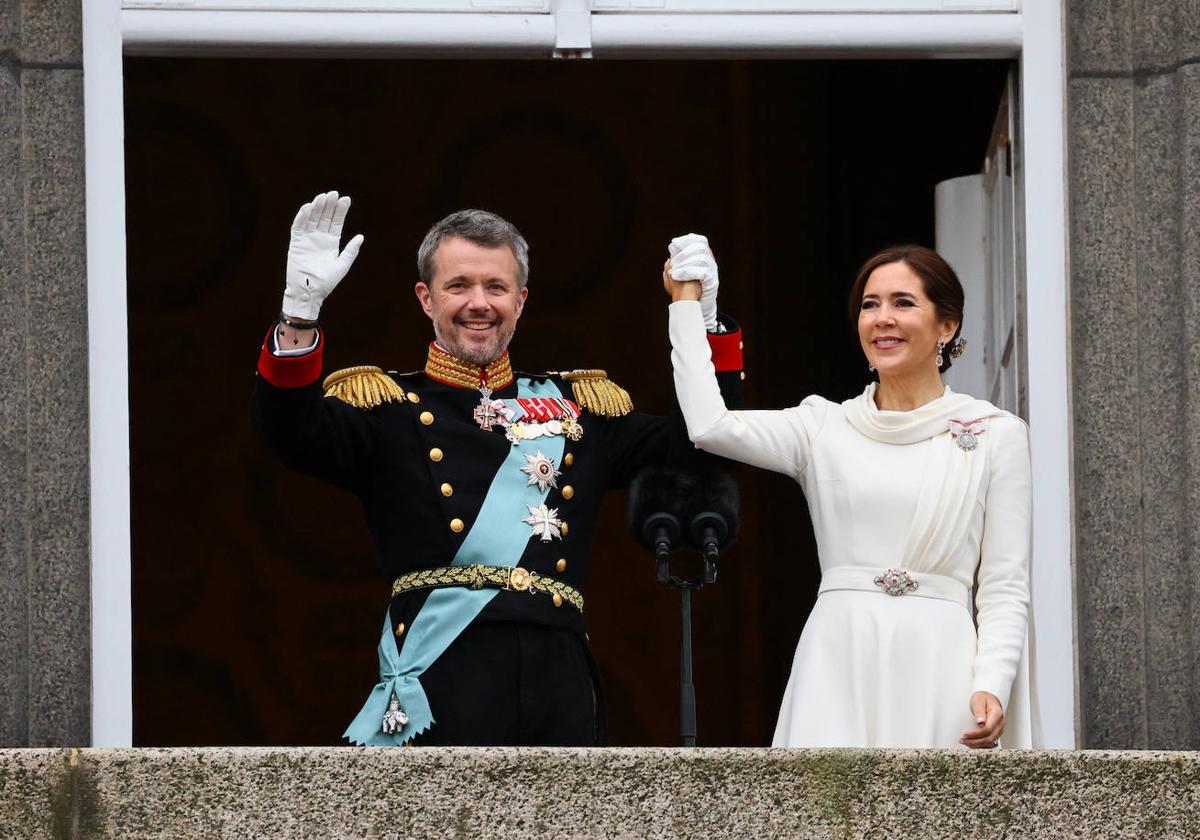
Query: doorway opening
(256, 600)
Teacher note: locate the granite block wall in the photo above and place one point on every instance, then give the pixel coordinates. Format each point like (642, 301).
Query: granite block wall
(649, 793)
(45, 684)
(1134, 184)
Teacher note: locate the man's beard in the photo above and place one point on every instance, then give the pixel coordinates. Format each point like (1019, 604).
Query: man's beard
(482, 356)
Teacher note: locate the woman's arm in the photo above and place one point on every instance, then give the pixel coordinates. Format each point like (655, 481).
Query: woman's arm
(1002, 591)
(773, 440)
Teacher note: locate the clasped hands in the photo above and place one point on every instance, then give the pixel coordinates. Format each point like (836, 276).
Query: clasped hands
(691, 274)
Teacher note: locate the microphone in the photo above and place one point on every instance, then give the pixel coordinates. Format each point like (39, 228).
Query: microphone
(660, 500)
(715, 520)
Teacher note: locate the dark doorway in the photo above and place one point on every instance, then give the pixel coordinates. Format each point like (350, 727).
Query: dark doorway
(256, 599)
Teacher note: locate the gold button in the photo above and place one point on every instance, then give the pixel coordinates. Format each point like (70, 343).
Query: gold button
(564, 529)
(435, 454)
(413, 398)
(741, 346)
(426, 418)
(456, 525)
(400, 629)
(742, 375)
(561, 565)
(568, 491)
(447, 490)
(569, 459)
(557, 600)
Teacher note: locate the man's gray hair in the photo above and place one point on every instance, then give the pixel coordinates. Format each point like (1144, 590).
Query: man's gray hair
(480, 227)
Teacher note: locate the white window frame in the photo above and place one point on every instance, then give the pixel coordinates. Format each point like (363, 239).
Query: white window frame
(1033, 35)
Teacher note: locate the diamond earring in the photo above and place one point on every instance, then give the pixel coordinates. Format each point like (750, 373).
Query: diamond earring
(941, 347)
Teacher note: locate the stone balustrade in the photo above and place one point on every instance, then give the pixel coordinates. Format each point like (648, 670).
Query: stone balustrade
(524, 793)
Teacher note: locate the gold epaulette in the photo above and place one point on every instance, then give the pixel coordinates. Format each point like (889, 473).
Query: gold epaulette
(362, 386)
(594, 391)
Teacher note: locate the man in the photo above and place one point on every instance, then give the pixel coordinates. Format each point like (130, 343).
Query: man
(480, 486)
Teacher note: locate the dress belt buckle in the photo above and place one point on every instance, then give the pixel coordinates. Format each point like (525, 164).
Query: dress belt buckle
(519, 579)
(897, 582)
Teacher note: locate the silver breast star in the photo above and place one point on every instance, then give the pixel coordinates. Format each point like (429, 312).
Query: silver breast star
(541, 471)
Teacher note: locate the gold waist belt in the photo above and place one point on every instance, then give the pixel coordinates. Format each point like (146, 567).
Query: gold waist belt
(512, 578)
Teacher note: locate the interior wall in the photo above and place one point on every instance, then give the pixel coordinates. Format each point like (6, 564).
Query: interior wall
(256, 596)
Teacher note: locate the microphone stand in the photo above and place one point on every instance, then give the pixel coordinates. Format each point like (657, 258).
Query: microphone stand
(687, 687)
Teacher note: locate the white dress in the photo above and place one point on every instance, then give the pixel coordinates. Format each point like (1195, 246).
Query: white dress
(891, 490)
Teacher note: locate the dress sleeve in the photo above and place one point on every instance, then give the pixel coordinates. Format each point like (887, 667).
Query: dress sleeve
(774, 440)
(636, 441)
(1002, 587)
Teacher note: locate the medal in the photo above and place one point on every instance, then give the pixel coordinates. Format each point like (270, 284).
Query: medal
(545, 522)
(485, 412)
(572, 428)
(395, 718)
(966, 433)
(541, 471)
(526, 419)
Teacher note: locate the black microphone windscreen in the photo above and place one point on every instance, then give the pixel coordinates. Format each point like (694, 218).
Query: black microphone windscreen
(718, 494)
(658, 490)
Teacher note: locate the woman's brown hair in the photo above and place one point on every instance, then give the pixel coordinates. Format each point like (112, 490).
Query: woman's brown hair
(938, 281)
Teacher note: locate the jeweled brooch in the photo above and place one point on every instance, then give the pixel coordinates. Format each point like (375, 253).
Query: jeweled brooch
(897, 582)
(966, 432)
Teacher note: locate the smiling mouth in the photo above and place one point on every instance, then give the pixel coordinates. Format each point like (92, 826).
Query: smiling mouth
(887, 343)
(477, 326)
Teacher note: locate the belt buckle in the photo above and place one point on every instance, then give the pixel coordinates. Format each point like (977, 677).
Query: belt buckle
(897, 582)
(519, 579)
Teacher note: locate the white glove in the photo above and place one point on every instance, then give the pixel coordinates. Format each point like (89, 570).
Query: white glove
(314, 266)
(691, 259)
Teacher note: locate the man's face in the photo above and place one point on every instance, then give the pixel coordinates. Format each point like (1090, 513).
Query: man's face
(473, 299)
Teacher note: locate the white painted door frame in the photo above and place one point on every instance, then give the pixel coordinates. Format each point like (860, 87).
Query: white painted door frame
(1034, 35)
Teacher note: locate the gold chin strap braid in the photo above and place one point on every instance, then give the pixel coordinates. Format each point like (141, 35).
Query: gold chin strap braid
(362, 386)
(594, 391)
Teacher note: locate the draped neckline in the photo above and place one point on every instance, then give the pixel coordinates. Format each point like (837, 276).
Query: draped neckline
(918, 424)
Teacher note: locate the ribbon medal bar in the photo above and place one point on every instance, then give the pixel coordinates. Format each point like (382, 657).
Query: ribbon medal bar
(536, 417)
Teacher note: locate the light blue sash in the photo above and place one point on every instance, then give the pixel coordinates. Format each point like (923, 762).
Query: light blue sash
(498, 538)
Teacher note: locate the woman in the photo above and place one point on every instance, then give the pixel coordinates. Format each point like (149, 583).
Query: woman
(920, 501)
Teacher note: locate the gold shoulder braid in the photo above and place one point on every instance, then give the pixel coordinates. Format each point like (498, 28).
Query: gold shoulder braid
(594, 391)
(362, 386)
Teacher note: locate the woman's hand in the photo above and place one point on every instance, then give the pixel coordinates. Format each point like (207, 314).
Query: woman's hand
(680, 289)
(989, 715)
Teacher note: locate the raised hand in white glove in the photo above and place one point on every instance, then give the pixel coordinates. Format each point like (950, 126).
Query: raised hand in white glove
(314, 266)
(692, 259)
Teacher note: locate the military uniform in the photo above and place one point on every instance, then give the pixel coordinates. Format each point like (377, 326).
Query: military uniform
(419, 452)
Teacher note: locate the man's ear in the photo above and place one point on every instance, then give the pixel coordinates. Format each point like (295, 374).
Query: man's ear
(521, 295)
(424, 295)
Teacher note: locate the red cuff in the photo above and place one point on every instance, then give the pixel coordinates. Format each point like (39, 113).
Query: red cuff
(290, 371)
(726, 350)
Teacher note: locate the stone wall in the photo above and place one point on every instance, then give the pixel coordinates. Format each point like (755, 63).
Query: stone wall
(1134, 152)
(45, 681)
(525, 793)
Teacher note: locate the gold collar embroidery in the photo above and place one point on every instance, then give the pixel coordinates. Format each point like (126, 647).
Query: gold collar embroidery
(450, 370)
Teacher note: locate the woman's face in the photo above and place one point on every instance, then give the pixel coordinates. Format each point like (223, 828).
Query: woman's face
(898, 326)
